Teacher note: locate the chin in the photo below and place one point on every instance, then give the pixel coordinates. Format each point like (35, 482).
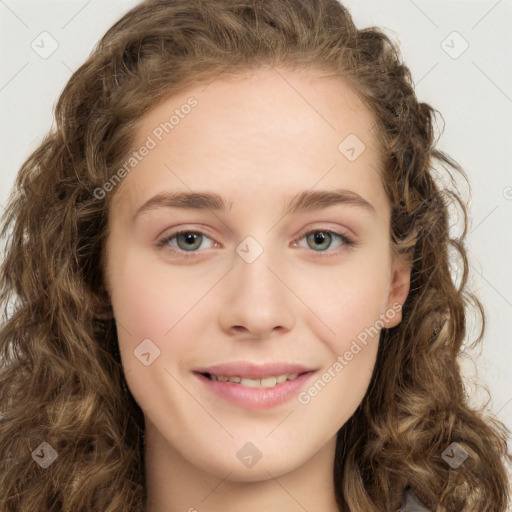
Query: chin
(222, 465)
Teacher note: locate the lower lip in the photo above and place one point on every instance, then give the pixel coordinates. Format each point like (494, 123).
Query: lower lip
(256, 398)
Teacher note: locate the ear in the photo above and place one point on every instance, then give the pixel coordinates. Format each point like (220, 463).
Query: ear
(400, 285)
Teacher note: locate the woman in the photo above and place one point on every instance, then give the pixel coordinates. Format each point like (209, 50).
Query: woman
(142, 372)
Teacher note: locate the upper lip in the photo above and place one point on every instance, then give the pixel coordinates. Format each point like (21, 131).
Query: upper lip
(254, 370)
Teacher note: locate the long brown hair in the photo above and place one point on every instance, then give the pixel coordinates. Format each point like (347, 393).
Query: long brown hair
(61, 379)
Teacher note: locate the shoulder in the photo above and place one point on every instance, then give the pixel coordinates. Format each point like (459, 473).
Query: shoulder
(411, 503)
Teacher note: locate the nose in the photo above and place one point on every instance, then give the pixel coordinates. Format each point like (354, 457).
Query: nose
(257, 298)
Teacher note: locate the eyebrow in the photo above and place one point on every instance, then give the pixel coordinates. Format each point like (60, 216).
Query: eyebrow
(303, 201)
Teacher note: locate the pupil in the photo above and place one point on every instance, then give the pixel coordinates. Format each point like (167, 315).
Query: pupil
(320, 238)
(189, 239)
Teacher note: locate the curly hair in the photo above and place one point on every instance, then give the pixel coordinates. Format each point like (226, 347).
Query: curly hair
(61, 378)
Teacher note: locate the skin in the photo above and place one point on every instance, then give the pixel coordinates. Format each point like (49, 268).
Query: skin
(255, 139)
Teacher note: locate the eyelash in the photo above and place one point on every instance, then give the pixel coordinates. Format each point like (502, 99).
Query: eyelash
(348, 243)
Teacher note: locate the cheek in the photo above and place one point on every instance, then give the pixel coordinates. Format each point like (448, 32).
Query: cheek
(151, 302)
(150, 309)
(349, 300)
(138, 305)
(146, 297)
(351, 309)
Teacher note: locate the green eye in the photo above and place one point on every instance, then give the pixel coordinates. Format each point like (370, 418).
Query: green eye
(188, 241)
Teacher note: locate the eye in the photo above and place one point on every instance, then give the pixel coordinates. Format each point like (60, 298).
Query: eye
(187, 240)
(323, 239)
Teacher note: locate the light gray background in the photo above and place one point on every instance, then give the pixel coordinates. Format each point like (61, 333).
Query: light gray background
(472, 90)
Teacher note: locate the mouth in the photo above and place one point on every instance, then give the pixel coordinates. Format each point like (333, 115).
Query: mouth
(254, 386)
(250, 382)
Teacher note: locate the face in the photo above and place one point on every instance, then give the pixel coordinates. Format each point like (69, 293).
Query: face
(264, 289)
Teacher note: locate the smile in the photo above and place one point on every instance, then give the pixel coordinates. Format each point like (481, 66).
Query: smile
(253, 393)
(267, 382)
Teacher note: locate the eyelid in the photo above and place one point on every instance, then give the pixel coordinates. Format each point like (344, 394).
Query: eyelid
(348, 241)
(162, 243)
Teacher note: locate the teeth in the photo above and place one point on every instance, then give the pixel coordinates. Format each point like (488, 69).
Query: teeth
(267, 382)
(251, 383)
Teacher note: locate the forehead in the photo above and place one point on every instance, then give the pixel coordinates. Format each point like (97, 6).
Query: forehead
(267, 124)
(297, 99)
